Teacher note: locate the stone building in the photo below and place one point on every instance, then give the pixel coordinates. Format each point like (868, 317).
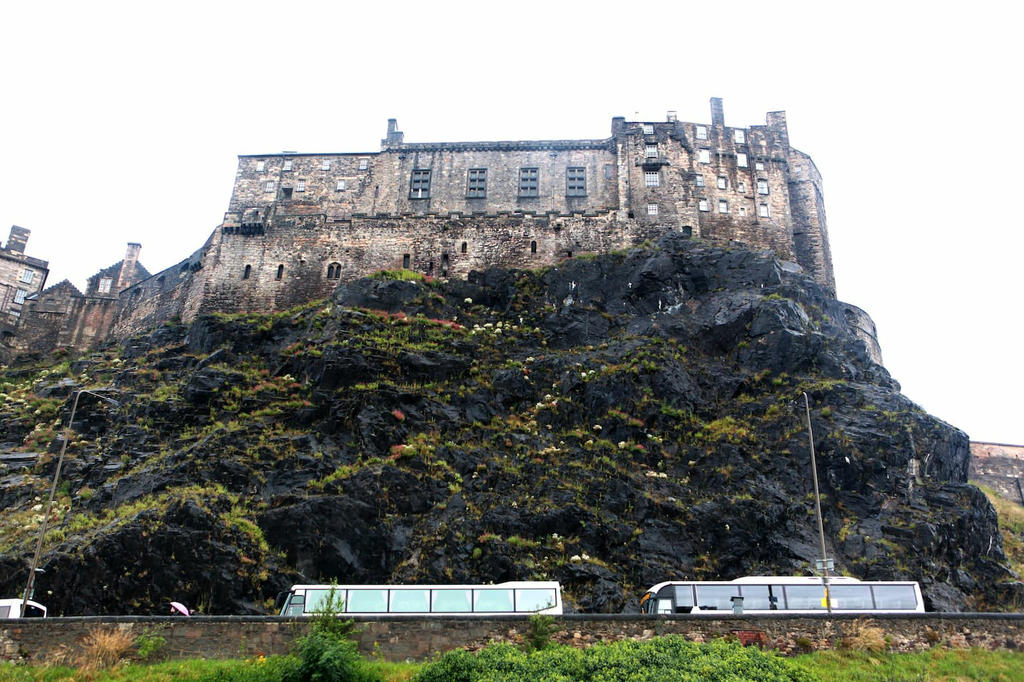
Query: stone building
(297, 224)
(20, 277)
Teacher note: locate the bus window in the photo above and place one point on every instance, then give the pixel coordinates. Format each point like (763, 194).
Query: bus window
(5, 611)
(452, 601)
(895, 597)
(295, 606)
(493, 600)
(757, 597)
(805, 597)
(534, 600)
(683, 599)
(367, 601)
(712, 597)
(410, 601)
(851, 597)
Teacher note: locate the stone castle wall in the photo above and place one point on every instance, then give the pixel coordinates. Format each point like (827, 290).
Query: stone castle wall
(1000, 467)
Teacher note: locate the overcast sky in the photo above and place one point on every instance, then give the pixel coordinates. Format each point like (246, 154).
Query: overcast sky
(122, 122)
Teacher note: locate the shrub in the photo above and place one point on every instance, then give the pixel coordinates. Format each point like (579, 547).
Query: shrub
(104, 648)
(148, 645)
(539, 632)
(865, 636)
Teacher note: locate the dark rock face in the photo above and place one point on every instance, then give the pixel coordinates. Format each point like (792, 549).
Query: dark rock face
(610, 423)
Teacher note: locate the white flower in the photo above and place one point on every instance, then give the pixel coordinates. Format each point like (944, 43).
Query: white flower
(467, 300)
(575, 557)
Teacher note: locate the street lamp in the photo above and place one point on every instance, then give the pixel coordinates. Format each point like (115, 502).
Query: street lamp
(30, 587)
(823, 565)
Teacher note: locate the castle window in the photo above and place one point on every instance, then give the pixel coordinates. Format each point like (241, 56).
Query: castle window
(325, 165)
(341, 185)
(702, 204)
(405, 261)
(464, 247)
(575, 182)
(739, 136)
(533, 247)
(19, 296)
(300, 186)
(269, 187)
(27, 276)
(286, 192)
(702, 132)
(14, 313)
(104, 285)
(762, 210)
(648, 128)
(651, 151)
(364, 164)
(741, 160)
(334, 271)
(280, 272)
(723, 183)
(741, 187)
(698, 180)
(247, 272)
(529, 181)
(444, 264)
(762, 187)
(287, 165)
(652, 209)
(476, 188)
(651, 179)
(419, 184)
(261, 166)
(743, 210)
(758, 165)
(723, 206)
(704, 155)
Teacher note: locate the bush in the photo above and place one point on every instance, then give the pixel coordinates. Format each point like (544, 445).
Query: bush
(104, 648)
(663, 658)
(865, 636)
(538, 634)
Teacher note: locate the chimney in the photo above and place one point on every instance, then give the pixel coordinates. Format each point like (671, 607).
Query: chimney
(717, 113)
(19, 237)
(776, 121)
(618, 125)
(131, 257)
(395, 136)
(671, 116)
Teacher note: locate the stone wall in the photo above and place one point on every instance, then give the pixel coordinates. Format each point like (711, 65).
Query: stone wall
(413, 638)
(1000, 467)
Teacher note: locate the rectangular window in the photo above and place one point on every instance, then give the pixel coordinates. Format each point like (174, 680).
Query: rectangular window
(300, 185)
(104, 285)
(762, 210)
(27, 276)
(341, 185)
(452, 601)
(409, 601)
(741, 187)
(743, 210)
(269, 187)
(741, 160)
(477, 186)
(325, 165)
(722, 182)
(698, 180)
(19, 296)
(419, 184)
(739, 136)
(702, 132)
(704, 155)
(575, 182)
(723, 206)
(651, 151)
(648, 128)
(287, 165)
(529, 182)
(499, 600)
(261, 166)
(716, 597)
(758, 165)
(652, 209)
(702, 204)
(364, 164)
(651, 179)
(534, 599)
(762, 187)
(367, 601)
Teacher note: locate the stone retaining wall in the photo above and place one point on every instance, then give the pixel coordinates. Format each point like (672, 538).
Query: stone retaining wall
(415, 638)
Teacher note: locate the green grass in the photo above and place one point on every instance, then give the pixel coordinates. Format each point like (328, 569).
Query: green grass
(934, 664)
(1011, 525)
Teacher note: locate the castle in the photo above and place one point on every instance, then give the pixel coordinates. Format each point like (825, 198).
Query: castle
(299, 223)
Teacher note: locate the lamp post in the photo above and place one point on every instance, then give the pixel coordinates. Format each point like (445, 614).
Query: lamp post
(817, 509)
(30, 587)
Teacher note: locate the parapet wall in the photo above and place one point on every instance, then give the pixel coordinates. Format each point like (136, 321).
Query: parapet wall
(413, 638)
(1000, 467)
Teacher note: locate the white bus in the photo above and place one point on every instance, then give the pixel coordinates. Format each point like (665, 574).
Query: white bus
(769, 595)
(11, 608)
(525, 597)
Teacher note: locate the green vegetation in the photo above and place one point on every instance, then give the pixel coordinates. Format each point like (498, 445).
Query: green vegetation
(1011, 525)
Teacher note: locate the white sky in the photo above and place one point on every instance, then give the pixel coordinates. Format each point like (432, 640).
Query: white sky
(122, 121)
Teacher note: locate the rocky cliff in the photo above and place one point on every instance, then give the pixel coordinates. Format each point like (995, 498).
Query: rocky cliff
(610, 423)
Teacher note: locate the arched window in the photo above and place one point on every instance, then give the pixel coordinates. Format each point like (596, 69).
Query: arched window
(464, 247)
(334, 271)
(533, 247)
(247, 272)
(444, 264)
(280, 271)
